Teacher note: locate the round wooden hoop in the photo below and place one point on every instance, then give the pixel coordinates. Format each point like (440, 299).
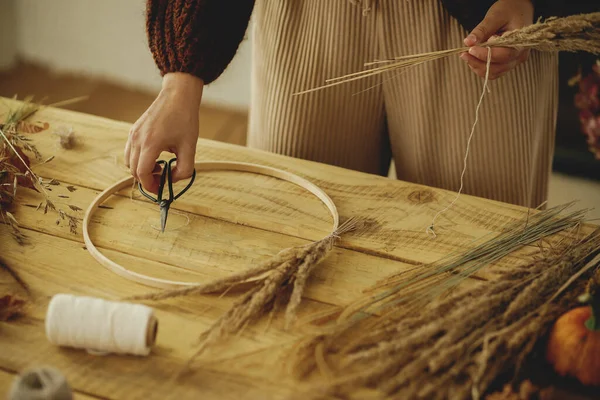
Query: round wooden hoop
(200, 166)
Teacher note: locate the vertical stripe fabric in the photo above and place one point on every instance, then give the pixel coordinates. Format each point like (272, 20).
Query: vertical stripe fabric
(421, 117)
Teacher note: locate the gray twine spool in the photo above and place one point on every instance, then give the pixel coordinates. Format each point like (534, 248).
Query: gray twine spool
(44, 383)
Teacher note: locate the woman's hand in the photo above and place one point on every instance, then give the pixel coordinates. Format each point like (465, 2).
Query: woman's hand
(504, 15)
(170, 124)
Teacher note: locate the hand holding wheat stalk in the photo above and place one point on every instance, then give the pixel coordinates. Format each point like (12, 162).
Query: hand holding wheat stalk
(574, 33)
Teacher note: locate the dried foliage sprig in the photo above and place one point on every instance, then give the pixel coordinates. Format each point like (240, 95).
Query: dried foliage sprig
(277, 280)
(526, 390)
(17, 234)
(573, 33)
(15, 166)
(457, 346)
(587, 100)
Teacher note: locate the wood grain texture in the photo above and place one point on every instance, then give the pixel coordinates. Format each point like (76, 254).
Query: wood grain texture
(236, 219)
(207, 248)
(55, 265)
(399, 211)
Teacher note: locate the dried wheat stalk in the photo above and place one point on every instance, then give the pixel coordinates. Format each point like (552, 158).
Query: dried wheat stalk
(434, 279)
(15, 166)
(573, 33)
(526, 390)
(272, 280)
(457, 346)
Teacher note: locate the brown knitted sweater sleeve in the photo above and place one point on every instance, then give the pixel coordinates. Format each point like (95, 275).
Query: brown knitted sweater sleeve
(199, 37)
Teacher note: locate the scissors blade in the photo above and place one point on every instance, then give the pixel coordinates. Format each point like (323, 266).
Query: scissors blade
(164, 211)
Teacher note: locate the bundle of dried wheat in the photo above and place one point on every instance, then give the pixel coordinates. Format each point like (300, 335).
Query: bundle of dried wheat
(573, 33)
(455, 347)
(14, 163)
(277, 281)
(438, 278)
(15, 166)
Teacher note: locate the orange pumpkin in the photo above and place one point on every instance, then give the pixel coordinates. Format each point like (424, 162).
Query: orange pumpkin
(574, 344)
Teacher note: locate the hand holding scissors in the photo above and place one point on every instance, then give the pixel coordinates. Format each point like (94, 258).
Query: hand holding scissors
(166, 178)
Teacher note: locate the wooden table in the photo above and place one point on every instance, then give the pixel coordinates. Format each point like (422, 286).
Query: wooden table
(235, 219)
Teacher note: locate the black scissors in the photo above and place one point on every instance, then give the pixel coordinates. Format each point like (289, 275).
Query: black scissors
(166, 203)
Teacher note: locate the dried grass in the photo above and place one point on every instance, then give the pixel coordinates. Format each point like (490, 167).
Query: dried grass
(573, 33)
(528, 391)
(272, 282)
(442, 276)
(455, 346)
(15, 166)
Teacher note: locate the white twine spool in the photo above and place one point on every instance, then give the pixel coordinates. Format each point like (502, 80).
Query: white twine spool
(100, 326)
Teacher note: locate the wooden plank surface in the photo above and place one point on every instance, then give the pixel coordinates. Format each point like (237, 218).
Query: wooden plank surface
(235, 219)
(400, 212)
(55, 265)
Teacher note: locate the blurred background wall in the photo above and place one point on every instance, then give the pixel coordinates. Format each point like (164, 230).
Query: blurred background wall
(104, 39)
(8, 36)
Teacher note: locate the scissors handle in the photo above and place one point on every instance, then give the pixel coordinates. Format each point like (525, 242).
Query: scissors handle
(160, 186)
(166, 177)
(185, 189)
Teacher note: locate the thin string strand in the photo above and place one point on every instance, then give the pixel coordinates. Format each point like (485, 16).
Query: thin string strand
(430, 228)
(171, 229)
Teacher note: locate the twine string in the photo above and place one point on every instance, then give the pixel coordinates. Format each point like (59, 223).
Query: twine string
(430, 228)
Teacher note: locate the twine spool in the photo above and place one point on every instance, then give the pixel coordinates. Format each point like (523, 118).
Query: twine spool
(44, 383)
(100, 326)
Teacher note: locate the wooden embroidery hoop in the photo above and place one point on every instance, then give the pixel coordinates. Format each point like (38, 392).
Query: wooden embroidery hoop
(200, 166)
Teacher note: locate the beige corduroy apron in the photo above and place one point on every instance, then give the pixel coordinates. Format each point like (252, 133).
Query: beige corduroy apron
(421, 118)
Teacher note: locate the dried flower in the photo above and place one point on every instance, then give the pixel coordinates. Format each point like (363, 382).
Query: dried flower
(587, 100)
(15, 166)
(66, 136)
